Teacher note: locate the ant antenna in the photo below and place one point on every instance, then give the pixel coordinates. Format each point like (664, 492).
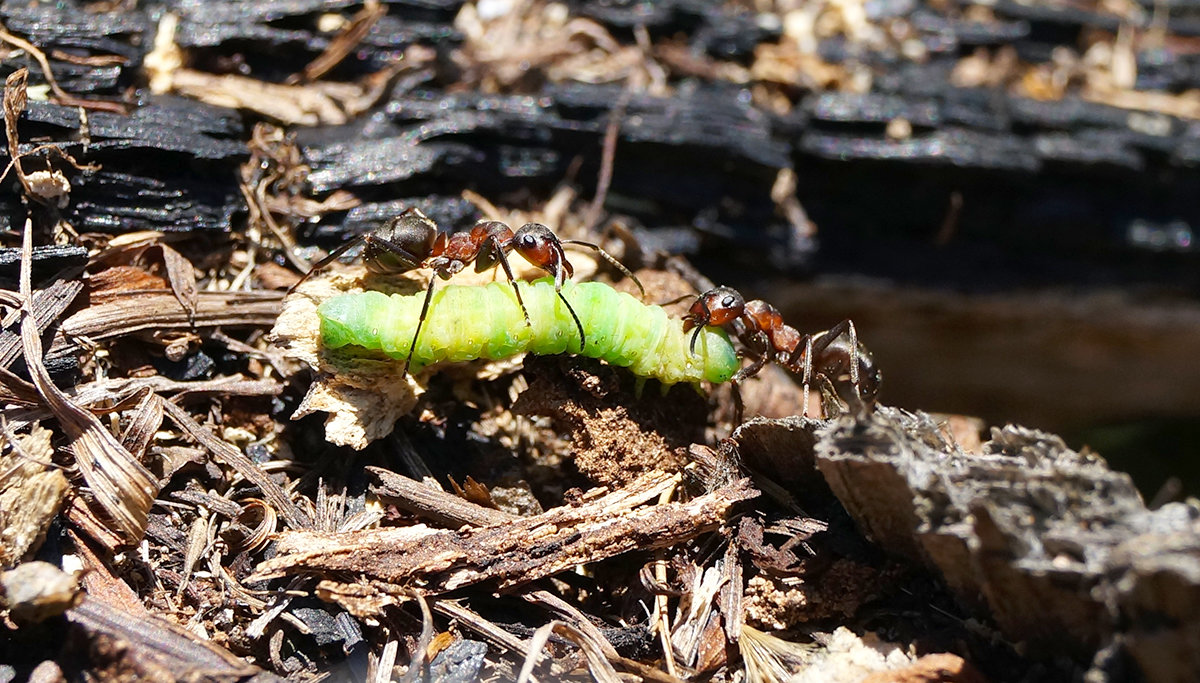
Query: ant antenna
(676, 300)
(612, 261)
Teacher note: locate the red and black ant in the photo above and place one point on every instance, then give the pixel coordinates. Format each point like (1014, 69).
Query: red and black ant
(411, 240)
(835, 356)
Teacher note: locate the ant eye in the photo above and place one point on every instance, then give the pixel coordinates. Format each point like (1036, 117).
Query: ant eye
(727, 302)
(528, 241)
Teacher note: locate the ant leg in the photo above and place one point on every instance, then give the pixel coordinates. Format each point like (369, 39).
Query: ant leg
(496, 249)
(578, 325)
(759, 345)
(853, 354)
(846, 327)
(739, 408)
(808, 370)
(420, 323)
(369, 239)
(407, 258)
(612, 260)
(558, 283)
(830, 344)
(751, 370)
(330, 258)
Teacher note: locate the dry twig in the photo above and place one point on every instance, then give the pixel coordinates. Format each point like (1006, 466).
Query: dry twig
(514, 552)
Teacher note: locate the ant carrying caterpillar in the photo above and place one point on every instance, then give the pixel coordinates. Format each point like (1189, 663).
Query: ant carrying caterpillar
(411, 240)
(835, 358)
(464, 323)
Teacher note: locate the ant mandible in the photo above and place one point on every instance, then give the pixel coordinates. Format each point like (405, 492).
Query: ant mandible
(835, 355)
(411, 240)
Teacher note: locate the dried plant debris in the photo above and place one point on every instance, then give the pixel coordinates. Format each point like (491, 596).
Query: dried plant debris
(32, 490)
(513, 552)
(147, 648)
(842, 656)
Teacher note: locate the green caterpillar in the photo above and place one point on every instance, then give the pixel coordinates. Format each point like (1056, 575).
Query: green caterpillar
(470, 322)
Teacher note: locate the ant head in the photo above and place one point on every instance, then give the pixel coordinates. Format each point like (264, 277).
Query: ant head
(533, 236)
(541, 247)
(716, 307)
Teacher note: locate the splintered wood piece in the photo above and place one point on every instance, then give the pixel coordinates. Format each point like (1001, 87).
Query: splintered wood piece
(511, 552)
(158, 310)
(432, 503)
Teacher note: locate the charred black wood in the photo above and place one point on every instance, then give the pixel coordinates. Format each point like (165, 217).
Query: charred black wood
(871, 108)
(69, 28)
(274, 39)
(113, 202)
(970, 33)
(161, 124)
(719, 30)
(498, 144)
(170, 165)
(47, 261)
(959, 148)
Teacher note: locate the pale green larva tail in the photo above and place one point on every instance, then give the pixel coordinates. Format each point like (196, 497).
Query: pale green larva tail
(466, 323)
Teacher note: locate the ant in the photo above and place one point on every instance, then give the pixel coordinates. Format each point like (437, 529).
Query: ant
(411, 240)
(844, 365)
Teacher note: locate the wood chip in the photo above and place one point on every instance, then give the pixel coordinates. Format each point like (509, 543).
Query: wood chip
(31, 494)
(514, 552)
(153, 311)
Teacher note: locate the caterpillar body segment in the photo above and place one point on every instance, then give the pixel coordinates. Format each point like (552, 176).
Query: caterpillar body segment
(467, 323)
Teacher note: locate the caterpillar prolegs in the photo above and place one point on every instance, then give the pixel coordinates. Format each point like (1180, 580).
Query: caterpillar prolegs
(486, 322)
